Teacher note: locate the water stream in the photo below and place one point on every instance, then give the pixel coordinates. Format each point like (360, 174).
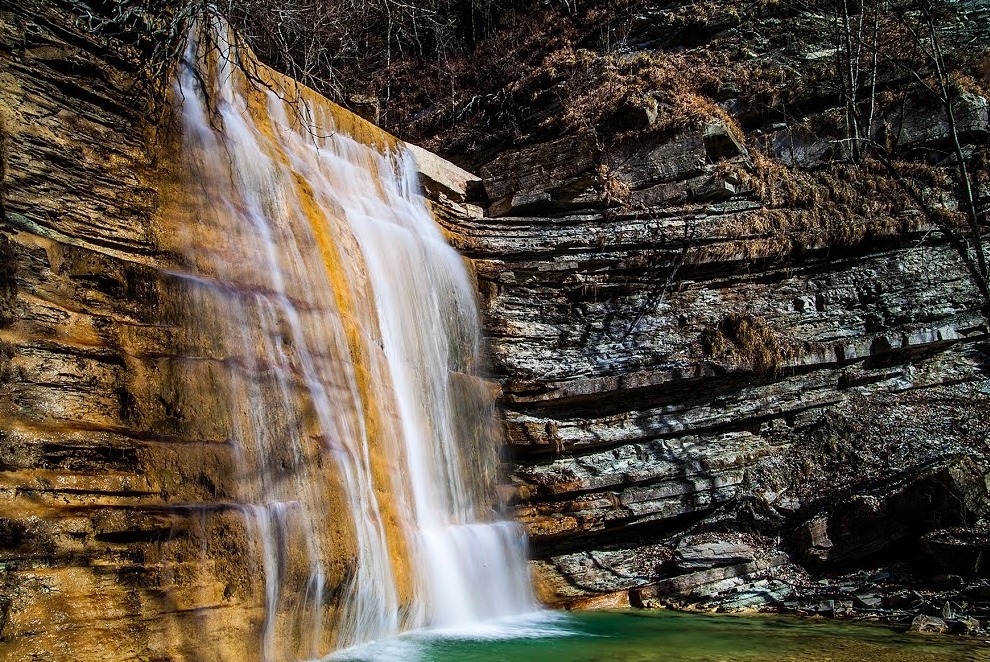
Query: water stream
(350, 331)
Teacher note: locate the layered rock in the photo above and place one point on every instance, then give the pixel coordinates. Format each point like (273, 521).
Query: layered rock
(700, 398)
(122, 536)
(700, 406)
(130, 517)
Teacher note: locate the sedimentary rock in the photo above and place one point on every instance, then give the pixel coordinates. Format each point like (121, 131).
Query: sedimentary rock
(960, 551)
(699, 396)
(725, 318)
(949, 491)
(99, 437)
(662, 372)
(928, 625)
(142, 509)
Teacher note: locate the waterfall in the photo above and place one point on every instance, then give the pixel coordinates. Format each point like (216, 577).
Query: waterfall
(351, 333)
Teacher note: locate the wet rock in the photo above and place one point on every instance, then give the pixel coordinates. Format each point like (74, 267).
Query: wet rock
(627, 433)
(124, 491)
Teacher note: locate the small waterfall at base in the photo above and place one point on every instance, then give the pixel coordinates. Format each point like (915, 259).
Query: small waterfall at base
(351, 332)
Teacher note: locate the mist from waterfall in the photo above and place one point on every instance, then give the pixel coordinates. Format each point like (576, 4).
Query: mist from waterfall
(364, 438)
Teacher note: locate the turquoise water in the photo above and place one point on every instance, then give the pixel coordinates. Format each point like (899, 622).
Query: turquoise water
(655, 636)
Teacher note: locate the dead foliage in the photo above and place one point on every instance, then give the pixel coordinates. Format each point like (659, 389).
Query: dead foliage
(747, 341)
(842, 205)
(545, 73)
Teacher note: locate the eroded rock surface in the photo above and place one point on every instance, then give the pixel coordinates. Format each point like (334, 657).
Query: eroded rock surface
(697, 416)
(147, 510)
(119, 538)
(703, 404)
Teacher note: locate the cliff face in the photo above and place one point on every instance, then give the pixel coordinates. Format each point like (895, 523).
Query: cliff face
(704, 401)
(709, 396)
(100, 434)
(635, 450)
(136, 477)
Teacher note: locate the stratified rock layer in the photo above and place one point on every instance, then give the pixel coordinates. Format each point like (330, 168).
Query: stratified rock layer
(694, 412)
(137, 515)
(120, 536)
(696, 408)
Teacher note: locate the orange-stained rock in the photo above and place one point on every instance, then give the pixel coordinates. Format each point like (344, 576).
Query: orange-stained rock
(125, 493)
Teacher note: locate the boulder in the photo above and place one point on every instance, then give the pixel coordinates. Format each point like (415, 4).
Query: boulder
(965, 625)
(365, 106)
(759, 594)
(861, 526)
(441, 177)
(549, 177)
(853, 530)
(636, 112)
(721, 142)
(961, 551)
(928, 625)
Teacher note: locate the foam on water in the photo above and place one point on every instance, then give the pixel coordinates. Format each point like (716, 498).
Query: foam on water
(419, 644)
(534, 625)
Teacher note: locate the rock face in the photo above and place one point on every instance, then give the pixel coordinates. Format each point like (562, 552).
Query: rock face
(735, 361)
(703, 402)
(695, 414)
(127, 529)
(119, 535)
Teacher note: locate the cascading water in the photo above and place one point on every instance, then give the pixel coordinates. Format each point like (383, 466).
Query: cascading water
(351, 331)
